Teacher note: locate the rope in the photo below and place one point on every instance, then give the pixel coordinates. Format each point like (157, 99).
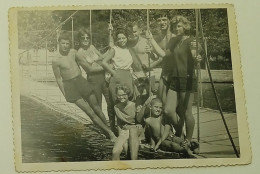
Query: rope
(215, 92)
(198, 75)
(72, 32)
(54, 30)
(90, 26)
(149, 60)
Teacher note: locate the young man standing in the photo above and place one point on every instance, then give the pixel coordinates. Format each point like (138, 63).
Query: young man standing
(74, 87)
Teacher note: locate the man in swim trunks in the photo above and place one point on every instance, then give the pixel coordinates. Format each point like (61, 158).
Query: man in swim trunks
(74, 87)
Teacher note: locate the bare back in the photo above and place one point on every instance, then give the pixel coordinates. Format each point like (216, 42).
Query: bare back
(67, 65)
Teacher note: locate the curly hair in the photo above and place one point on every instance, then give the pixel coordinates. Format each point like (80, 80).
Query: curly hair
(123, 88)
(177, 19)
(122, 30)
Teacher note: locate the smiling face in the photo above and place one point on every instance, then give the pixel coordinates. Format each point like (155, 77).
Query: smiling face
(163, 22)
(122, 96)
(64, 46)
(121, 40)
(85, 40)
(179, 29)
(156, 108)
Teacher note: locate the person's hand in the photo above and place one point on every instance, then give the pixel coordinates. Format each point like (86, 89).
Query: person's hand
(148, 49)
(148, 35)
(198, 58)
(138, 108)
(110, 27)
(148, 101)
(157, 145)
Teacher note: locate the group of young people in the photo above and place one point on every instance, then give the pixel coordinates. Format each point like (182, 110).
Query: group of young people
(130, 91)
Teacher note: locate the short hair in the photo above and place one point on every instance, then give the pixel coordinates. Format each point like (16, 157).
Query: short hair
(121, 30)
(83, 31)
(123, 88)
(155, 100)
(162, 13)
(186, 23)
(64, 36)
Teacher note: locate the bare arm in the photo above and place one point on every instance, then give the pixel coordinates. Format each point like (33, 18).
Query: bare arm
(86, 66)
(56, 71)
(154, 44)
(137, 66)
(105, 61)
(165, 134)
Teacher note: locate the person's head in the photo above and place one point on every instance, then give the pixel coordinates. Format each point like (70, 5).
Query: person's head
(136, 30)
(180, 25)
(121, 37)
(163, 21)
(156, 107)
(64, 43)
(122, 93)
(84, 38)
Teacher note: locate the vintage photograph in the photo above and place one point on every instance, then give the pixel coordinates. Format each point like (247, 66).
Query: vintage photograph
(151, 87)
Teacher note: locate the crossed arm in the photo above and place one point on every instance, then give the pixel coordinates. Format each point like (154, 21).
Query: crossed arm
(87, 66)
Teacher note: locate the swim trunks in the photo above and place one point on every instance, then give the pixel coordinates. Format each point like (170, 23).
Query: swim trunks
(183, 84)
(77, 88)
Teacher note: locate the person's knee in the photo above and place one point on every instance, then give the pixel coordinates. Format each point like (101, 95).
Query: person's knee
(169, 111)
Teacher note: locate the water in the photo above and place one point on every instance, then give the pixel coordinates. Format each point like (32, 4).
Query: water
(48, 136)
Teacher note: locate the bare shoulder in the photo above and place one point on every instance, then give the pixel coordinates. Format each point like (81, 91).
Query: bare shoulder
(55, 61)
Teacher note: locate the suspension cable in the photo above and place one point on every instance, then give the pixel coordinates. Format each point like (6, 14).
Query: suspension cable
(214, 90)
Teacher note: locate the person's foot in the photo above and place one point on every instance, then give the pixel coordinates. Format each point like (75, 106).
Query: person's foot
(195, 146)
(112, 136)
(186, 145)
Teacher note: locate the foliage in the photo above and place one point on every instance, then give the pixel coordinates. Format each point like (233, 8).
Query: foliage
(35, 25)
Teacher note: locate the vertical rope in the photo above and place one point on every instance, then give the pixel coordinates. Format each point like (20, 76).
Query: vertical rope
(198, 75)
(90, 26)
(46, 67)
(72, 32)
(216, 96)
(149, 60)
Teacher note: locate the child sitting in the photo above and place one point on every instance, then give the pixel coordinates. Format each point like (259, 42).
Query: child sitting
(127, 129)
(159, 128)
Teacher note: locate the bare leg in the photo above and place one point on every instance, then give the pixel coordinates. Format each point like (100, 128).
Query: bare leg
(110, 109)
(134, 143)
(92, 100)
(186, 100)
(82, 104)
(160, 88)
(120, 143)
(170, 108)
